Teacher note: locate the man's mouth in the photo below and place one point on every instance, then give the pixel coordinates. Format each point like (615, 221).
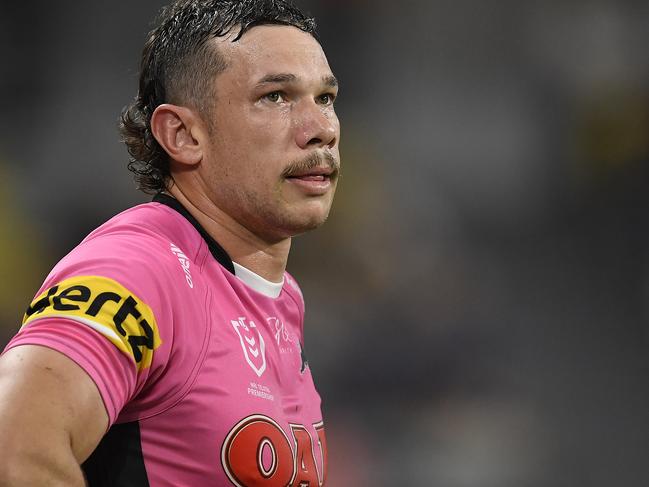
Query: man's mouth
(309, 177)
(314, 174)
(313, 182)
(314, 165)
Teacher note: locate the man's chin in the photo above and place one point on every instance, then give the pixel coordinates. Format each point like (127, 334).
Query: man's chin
(307, 219)
(306, 225)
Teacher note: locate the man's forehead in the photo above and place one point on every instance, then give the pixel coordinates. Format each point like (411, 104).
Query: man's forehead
(272, 46)
(274, 33)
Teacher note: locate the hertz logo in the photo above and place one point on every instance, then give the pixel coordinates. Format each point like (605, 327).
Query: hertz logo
(107, 307)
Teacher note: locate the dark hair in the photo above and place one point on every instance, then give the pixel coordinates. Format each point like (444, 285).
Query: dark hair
(178, 65)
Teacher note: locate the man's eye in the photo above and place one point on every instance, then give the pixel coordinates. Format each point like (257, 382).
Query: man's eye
(274, 97)
(326, 99)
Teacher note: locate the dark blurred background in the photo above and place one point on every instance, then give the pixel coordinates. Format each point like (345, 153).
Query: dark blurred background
(477, 309)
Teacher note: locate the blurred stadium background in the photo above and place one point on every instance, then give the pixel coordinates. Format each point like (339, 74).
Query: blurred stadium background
(477, 309)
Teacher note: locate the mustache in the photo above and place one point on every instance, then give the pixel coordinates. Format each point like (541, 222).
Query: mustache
(313, 160)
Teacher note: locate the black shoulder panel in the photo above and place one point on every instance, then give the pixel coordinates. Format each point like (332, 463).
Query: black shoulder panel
(117, 461)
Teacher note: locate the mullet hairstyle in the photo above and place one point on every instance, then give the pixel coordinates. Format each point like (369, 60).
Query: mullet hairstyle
(178, 66)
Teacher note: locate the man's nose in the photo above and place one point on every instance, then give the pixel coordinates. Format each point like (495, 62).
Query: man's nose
(316, 126)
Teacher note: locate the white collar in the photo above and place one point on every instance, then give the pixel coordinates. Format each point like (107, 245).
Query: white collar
(258, 283)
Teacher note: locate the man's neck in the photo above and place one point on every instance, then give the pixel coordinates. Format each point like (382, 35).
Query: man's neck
(243, 247)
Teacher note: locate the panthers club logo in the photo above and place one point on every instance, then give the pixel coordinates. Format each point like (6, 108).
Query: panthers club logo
(252, 343)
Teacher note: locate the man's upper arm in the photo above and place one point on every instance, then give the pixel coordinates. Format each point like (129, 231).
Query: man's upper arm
(51, 412)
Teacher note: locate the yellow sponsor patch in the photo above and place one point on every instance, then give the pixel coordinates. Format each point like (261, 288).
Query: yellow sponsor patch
(106, 306)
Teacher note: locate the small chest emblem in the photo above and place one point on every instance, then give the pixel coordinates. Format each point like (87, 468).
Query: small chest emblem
(284, 338)
(252, 343)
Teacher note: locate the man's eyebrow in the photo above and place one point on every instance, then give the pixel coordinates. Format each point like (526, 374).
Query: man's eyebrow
(278, 78)
(329, 80)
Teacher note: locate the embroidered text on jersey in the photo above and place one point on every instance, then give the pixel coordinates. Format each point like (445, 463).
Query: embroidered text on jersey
(106, 306)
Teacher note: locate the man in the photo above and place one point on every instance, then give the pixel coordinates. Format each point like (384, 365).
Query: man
(166, 349)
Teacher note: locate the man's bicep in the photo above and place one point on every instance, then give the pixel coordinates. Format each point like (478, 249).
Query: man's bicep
(48, 401)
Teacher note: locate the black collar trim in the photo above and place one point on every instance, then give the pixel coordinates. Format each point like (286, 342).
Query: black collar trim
(216, 250)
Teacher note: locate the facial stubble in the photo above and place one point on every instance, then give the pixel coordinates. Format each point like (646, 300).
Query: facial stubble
(276, 220)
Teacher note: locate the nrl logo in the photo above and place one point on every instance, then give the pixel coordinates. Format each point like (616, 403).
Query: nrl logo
(252, 343)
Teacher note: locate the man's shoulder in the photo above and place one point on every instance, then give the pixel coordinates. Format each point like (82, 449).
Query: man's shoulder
(141, 233)
(137, 248)
(149, 221)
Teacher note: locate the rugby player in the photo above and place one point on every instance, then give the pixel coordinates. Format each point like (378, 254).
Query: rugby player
(166, 349)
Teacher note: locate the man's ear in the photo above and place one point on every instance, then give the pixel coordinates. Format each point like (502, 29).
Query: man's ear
(179, 132)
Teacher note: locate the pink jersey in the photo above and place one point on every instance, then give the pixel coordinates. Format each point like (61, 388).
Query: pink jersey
(198, 361)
